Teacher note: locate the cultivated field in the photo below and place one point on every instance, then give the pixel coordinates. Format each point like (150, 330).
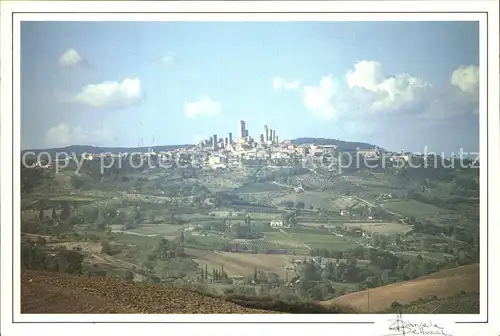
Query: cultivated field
(53, 293)
(368, 182)
(434, 256)
(89, 247)
(414, 208)
(242, 264)
(315, 198)
(344, 202)
(282, 246)
(442, 284)
(312, 238)
(460, 304)
(258, 187)
(164, 230)
(382, 228)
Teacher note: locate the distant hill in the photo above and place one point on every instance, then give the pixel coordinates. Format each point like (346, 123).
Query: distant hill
(341, 145)
(80, 149)
(443, 284)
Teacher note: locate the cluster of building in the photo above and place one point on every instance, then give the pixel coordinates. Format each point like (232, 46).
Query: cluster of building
(221, 152)
(215, 142)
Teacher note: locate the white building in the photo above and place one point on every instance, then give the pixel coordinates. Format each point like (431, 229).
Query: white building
(276, 223)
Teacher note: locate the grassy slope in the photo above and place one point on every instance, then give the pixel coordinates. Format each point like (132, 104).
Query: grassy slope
(464, 304)
(441, 284)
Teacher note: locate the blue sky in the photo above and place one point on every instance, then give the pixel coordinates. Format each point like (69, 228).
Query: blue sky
(399, 85)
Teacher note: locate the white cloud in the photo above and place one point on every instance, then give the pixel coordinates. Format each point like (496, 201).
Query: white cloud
(71, 59)
(294, 85)
(318, 99)
(168, 58)
(466, 79)
(386, 93)
(366, 91)
(280, 83)
(64, 135)
(203, 107)
(59, 135)
(111, 94)
(461, 101)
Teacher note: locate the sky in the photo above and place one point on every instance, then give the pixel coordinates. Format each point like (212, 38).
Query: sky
(398, 85)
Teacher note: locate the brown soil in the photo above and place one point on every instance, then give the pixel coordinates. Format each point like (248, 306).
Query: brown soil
(242, 264)
(441, 284)
(53, 293)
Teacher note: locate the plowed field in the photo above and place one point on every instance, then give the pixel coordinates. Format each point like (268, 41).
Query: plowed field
(57, 293)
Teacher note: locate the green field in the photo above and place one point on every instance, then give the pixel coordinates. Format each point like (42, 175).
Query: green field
(127, 239)
(54, 201)
(466, 304)
(433, 256)
(313, 239)
(158, 229)
(211, 242)
(414, 208)
(76, 198)
(287, 246)
(258, 188)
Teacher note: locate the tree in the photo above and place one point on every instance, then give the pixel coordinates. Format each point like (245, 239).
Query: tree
(148, 265)
(384, 277)
(383, 242)
(105, 247)
(70, 261)
(162, 249)
(128, 275)
(262, 276)
(310, 272)
(66, 212)
(32, 257)
(100, 223)
(273, 278)
(77, 181)
(182, 238)
(300, 205)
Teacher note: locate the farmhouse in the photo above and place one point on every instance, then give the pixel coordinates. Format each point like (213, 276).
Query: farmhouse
(276, 223)
(238, 279)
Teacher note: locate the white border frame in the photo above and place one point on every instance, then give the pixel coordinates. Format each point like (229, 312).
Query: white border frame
(487, 161)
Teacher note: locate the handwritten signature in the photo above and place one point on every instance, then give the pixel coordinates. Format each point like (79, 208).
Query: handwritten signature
(401, 327)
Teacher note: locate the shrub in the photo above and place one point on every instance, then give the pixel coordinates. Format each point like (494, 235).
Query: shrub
(128, 276)
(396, 304)
(105, 247)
